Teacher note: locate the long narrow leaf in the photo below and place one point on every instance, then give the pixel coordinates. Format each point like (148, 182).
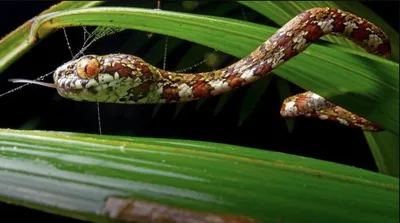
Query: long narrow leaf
(15, 44)
(252, 97)
(385, 149)
(284, 92)
(76, 174)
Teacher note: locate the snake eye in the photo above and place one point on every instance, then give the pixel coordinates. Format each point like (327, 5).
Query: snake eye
(87, 67)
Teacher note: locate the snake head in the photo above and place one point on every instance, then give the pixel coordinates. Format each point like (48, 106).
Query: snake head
(110, 78)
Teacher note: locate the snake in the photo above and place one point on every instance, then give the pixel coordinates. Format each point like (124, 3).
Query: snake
(128, 79)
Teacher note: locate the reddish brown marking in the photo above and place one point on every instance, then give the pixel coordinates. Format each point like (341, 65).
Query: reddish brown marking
(141, 90)
(145, 69)
(146, 73)
(332, 118)
(305, 16)
(283, 40)
(171, 93)
(234, 81)
(201, 89)
(122, 71)
(315, 115)
(301, 102)
(289, 53)
(197, 78)
(314, 32)
(262, 70)
(384, 49)
(121, 209)
(332, 10)
(361, 33)
(376, 127)
(338, 25)
(164, 74)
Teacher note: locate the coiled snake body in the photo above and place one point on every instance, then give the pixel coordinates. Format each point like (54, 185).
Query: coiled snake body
(127, 79)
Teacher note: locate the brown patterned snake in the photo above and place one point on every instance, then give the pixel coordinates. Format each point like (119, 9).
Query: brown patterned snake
(127, 79)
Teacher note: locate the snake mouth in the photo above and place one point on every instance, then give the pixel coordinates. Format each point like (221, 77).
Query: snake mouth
(102, 88)
(100, 82)
(69, 86)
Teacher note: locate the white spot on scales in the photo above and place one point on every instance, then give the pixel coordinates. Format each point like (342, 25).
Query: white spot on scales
(290, 109)
(105, 78)
(342, 121)
(326, 25)
(374, 41)
(185, 91)
(78, 84)
(300, 41)
(91, 83)
(349, 27)
(219, 85)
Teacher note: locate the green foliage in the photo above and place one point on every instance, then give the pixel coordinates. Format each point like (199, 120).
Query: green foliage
(72, 174)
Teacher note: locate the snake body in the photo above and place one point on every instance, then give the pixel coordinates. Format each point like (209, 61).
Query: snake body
(127, 79)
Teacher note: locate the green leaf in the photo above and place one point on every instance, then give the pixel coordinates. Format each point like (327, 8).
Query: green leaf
(385, 149)
(15, 44)
(156, 109)
(199, 103)
(375, 96)
(252, 98)
(222, 101)
(178, 109)
(284, 92)
(74, 175)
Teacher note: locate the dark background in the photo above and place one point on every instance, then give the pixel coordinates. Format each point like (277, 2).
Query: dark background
(36, 107)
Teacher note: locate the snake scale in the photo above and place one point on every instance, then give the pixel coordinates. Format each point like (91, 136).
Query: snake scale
(127, 79)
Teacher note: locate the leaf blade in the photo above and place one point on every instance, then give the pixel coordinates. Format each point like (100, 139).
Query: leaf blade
(15, 44)
(82, 170)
